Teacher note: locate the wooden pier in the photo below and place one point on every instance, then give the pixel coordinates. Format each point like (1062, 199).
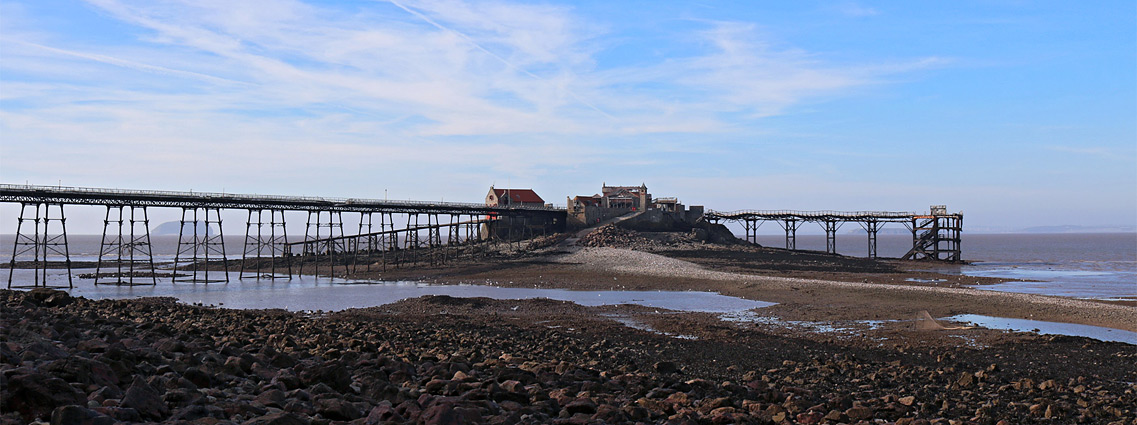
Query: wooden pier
(935, 234)
(125, 246)
(268, 252)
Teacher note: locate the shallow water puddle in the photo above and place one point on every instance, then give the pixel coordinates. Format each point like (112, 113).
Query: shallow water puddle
(1047, 328)
(307, 293)
(636, 324)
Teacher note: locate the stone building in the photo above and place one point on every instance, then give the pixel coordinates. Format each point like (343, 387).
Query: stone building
(615, 201)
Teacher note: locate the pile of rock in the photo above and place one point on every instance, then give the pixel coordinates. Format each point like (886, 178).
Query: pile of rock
(612, 236)
(542, 242)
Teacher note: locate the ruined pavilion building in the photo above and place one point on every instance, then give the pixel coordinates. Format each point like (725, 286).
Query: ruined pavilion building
(614, 201)
(633, 198)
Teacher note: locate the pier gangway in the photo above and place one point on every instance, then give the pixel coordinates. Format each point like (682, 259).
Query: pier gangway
(935, 234)
(125, 247)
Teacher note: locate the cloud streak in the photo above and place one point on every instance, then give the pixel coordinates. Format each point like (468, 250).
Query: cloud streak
(465, 71)
(481, 88)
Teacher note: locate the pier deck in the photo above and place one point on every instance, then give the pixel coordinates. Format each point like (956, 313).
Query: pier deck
(935, 234)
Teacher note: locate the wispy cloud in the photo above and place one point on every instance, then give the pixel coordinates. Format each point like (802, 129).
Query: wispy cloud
(126, 63)
(1098, 151)
(469, 68)
(302, 83)
(856, 10)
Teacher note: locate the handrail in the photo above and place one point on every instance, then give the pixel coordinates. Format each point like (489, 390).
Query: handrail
(813, 214)
(215, 196)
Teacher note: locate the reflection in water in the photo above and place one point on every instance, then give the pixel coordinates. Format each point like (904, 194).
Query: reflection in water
(1047, 328)
(310, 293)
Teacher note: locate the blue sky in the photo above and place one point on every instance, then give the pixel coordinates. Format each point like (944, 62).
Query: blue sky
(1017, 113)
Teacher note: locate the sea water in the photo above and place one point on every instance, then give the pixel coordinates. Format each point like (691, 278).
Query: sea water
(1080, 265)
(1096, 265)
(310, 293)
(1102, 266)
(1099, 266)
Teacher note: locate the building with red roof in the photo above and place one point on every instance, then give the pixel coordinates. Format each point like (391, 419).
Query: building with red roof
(513, 198)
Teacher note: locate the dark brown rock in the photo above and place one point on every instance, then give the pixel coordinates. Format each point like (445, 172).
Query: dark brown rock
(48, 297)
(383, 412)
(36, 395)
(859, 413)
(337, 409)
(145, 399)
(78, 415)
(666, 367)
(442, 414)
(83, 370)
(273, 398)
(121, 414)
(198, 411)
(581, 405)
(331, 374)
(198, 377)
(279, 418)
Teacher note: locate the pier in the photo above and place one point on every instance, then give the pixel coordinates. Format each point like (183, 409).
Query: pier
(392, 231)
(389, 234)
(935, 234)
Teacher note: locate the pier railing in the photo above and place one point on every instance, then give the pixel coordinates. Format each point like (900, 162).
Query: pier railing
(42, 233)
(935, 234)
(166, 198)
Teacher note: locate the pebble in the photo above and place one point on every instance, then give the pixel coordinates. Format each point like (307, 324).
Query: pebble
(165, 362)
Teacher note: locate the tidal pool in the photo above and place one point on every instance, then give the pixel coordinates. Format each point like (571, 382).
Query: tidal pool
(1047, 328)
(304, 293)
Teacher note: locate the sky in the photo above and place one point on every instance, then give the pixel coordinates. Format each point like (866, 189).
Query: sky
(1016, 113)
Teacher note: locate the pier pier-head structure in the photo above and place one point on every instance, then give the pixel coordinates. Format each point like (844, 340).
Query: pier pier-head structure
(935, 234)
(394, 232)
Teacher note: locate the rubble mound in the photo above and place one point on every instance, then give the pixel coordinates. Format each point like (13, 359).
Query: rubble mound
(612, 236)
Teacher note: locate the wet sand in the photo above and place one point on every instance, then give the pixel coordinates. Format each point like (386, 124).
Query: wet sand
(813, 286)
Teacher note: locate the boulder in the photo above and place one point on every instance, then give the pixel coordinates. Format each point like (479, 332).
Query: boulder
(442, 414)
(36, 395)
(48, 297)
(337, 409)
(279, 418)
(78, 415)
(145, 399)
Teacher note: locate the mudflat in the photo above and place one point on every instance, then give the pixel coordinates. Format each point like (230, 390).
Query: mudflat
(806, 285)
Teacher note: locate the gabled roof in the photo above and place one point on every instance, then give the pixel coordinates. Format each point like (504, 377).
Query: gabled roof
(587, 200)
(527, 196)
(622, 193)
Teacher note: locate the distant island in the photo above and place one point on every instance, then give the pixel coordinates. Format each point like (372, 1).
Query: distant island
(1069, 228)
(172, 227)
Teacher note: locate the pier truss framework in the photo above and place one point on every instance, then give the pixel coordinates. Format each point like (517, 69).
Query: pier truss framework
(935, 235)
(429, 232)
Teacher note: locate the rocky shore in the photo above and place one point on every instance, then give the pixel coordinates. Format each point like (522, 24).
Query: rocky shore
(850, 341)
(441, 360)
